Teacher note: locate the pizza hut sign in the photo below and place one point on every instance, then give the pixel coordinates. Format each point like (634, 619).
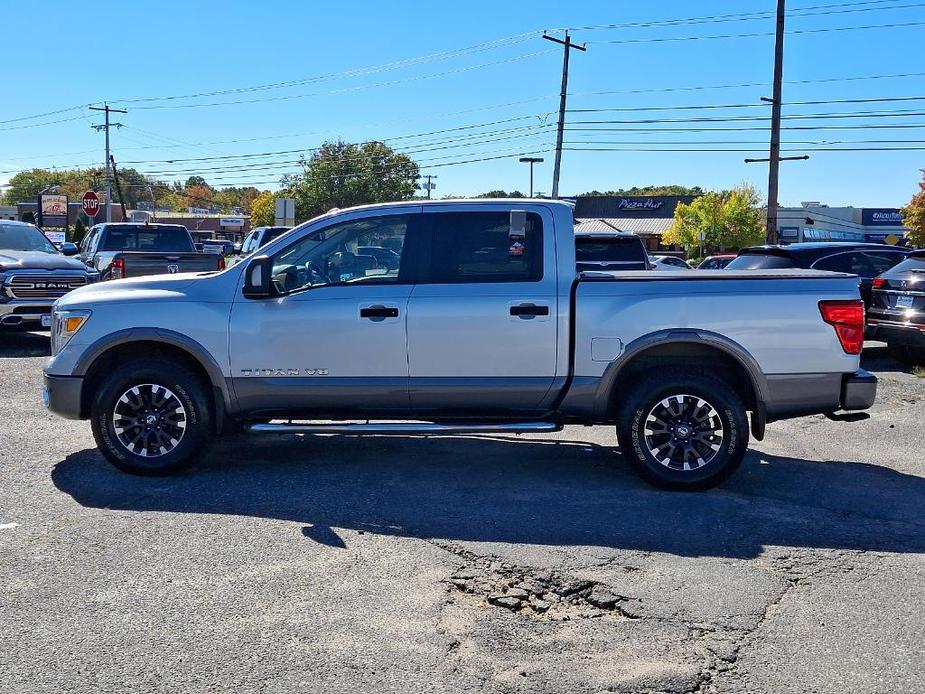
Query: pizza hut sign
(626, 204)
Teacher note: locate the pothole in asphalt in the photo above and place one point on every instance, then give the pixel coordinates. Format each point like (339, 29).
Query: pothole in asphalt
(538, 593)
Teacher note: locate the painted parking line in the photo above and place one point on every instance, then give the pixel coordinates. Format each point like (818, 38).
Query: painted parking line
(8, 526)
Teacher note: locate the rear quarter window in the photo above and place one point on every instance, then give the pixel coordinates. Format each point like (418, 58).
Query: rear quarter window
(761, 261)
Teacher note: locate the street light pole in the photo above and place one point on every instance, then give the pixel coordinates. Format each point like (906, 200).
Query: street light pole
(531, 161)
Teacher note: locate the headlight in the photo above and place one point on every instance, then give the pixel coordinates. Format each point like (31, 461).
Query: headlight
(64, 325)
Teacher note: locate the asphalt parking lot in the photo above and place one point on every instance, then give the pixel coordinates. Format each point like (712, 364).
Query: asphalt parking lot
(491, 564)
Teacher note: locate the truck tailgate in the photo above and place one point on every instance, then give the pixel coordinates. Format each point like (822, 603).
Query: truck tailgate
(139, 263)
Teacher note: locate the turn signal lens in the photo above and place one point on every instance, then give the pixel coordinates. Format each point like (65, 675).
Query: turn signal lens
(64, 325)
(72, 323)
(847, 317)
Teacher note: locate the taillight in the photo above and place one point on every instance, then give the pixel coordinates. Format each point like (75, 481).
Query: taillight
(847, 317)
(117, 269)
(878, 283)
(221, 263)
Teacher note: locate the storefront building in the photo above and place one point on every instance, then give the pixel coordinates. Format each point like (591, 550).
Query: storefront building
(813, 221)
(647, 216)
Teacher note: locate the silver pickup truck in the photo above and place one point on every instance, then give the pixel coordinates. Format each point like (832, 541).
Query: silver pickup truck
(483, 326)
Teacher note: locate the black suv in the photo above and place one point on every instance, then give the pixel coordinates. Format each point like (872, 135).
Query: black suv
(897, 310)
(610, 251)
(866, 260)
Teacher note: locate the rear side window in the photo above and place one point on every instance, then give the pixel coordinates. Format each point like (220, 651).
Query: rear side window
(861, 263)
(756, 261)
(603, 250)
(914, 264)
(477, 247)
(163, 239)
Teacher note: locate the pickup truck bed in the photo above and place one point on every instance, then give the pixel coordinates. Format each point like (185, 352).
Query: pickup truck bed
(484, 326)
(140, 264)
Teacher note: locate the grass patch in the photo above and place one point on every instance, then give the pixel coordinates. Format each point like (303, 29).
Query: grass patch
(918, 371)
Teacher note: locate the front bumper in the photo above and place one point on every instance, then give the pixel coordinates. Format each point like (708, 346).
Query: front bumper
(63, 395)
(13, 313)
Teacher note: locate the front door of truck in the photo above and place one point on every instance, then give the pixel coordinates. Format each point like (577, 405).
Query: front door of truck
(333, 339)
(482, 321)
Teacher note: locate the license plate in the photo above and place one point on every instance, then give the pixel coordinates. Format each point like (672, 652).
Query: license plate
(46, 320)
(904, 302)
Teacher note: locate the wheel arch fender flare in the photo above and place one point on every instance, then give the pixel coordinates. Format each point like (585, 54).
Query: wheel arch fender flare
(703, 338)
(171, 338)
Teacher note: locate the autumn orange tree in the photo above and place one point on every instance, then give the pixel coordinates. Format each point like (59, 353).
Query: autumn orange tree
(914, 216)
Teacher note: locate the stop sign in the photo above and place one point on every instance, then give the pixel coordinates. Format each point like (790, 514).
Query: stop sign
(91, 204)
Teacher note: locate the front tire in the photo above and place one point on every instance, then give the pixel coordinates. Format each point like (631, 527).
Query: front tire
(152, 417)
(683, 431)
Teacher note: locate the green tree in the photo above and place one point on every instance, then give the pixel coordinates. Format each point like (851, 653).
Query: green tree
(502, 194)
(673, 189)
(914, 216)
(26, 185)
(263, 210)
(342, 174)
(728, 219)
(80, 230)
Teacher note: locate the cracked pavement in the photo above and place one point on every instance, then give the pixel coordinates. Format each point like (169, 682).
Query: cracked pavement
(448, 564)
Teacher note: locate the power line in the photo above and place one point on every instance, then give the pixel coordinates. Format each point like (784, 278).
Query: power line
(346, 90)
(695, 107)
(896, 25)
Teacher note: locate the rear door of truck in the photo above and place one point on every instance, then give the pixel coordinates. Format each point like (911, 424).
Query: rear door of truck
(482, 328)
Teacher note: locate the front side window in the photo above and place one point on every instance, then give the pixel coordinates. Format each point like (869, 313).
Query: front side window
(478, 247)
(342, 254)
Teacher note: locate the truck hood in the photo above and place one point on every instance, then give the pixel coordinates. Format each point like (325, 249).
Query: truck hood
(151, 288)
(37, 260)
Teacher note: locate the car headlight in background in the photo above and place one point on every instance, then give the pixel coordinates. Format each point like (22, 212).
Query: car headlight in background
(64, 325)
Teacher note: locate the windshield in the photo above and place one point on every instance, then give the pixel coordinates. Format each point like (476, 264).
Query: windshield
(759, 261)
(163, 239)
(602, 250)
(14, 237)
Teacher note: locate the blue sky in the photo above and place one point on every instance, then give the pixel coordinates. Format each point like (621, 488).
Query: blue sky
(397, 71)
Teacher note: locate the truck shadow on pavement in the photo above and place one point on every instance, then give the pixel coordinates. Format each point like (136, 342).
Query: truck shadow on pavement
(16, 344)
(530, 491)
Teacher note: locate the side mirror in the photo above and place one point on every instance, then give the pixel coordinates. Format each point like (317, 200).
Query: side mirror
(257, 280)
(68, 248)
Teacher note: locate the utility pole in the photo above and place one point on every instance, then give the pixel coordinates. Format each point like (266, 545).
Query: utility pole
(105, 127)
(429, 186)
(774, 161)
(531, 161)
(567, 47)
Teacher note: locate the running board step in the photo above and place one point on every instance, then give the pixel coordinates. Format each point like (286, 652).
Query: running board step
(401, 428)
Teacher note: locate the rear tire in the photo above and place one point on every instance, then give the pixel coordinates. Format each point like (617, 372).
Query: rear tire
(152, 417)
(683, 431)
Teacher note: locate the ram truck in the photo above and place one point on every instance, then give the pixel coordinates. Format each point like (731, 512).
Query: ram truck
(33, 273)
(483, 326)
(119, 250)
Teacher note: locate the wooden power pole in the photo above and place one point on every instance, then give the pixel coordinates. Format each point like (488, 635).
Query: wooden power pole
(567, 47)
(774, 160)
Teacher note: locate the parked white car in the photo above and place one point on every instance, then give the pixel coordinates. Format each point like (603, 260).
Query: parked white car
(668, 262)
